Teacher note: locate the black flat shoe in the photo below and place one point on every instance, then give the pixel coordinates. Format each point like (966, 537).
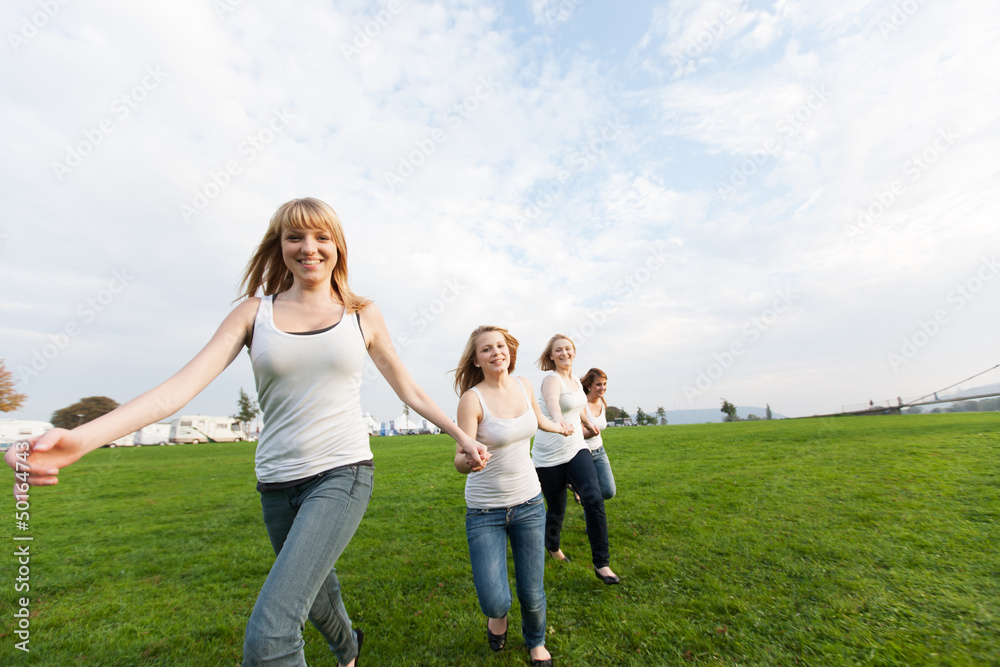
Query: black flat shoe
(361, 640)
(609, 580)
(541, 663)
(564, 559)
(497, 642)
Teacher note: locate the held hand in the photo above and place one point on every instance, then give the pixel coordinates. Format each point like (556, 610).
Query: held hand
(37, 461)
(472, 464)
(478, 454)
(596, 431)
(567, 429)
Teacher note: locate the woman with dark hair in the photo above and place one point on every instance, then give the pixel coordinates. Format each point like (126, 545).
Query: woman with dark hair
(504, 500)
(595, 384)
(560, 459)
(307, 338)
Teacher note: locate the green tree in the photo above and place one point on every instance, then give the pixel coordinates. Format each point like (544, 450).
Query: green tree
(10, 400)
(767, 413)
(613, 413)
(87, 409)
(730, 411)
(661, 414)
(248, 410)
(642, 419)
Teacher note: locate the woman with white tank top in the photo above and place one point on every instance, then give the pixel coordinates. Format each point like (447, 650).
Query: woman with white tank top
(595, 384)
(307, 338)
(561, 459)
(504, 500)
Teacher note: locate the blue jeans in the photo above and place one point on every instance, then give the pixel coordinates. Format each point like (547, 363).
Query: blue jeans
(488, 530)
(606, 478)
(309, 525)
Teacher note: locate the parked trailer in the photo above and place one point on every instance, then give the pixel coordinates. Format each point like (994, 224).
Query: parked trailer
(13, 430)
(154, 434)
(200, 428)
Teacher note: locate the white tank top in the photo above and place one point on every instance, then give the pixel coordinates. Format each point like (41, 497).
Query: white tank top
(508, 479)
(553, 449)
(309, 390)
(601, 422)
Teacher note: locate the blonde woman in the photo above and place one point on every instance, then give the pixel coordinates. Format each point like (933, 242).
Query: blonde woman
(504, 500)
(307, 338)
(560, 459)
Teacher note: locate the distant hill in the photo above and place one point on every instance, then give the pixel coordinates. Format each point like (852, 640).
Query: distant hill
(713, 415)
(974, 391)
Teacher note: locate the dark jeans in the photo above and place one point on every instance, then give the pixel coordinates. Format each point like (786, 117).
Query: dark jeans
(580, 472)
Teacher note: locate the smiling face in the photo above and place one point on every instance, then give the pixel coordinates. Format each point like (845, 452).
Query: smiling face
(310, 254)
(563, 352)
(492, 353)
(598, 388)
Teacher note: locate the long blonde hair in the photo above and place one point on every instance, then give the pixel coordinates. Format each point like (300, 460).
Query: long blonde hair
(468, 375)
(266, 269)
(545, 361)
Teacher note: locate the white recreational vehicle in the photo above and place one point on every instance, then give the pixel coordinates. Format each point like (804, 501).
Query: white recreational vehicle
(199, 428)
(154, 434)
(12, 430)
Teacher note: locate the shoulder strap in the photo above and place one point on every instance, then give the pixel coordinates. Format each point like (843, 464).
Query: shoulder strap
(482, 402)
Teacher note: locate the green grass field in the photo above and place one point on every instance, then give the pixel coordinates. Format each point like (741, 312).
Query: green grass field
(849, 541)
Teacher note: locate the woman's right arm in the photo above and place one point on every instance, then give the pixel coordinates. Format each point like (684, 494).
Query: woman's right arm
(544, 423)
(551, 389)
(470, 413)
(59, 448)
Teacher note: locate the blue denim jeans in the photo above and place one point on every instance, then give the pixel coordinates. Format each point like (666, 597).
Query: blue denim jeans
(309, 526)
(488, 531)
(606, 478)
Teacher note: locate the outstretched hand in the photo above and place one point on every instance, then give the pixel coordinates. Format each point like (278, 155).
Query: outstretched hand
(36, 462)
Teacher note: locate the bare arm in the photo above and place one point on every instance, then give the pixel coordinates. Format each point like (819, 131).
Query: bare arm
(59, 448)
(383, 354)
(551, 389)
(588, 426)
(544, 423)
(470, 413)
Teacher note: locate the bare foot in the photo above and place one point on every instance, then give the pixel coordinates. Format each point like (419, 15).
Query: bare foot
(540, 653)
(606, 572)
(497, 626)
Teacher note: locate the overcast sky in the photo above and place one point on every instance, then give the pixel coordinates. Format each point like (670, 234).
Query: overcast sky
(792, 203)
